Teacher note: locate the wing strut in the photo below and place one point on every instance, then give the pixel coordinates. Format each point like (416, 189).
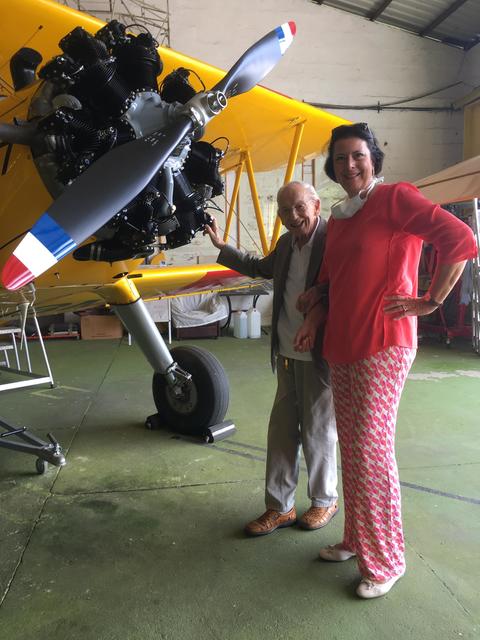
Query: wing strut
(297, 139)
(247, 161)
(256, 202)
(234, 199)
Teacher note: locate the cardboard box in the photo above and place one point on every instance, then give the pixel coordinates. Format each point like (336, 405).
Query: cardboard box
(211, 330)
(100, 327)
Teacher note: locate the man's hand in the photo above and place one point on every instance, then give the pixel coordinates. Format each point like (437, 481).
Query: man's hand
(307, 334)
(305, 338)
(212, 231)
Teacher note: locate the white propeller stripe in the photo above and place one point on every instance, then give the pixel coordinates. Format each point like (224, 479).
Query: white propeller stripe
(34, 255)
(288, 37)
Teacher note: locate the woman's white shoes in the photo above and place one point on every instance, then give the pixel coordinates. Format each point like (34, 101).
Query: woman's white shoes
(370, 589)
(367, 588)
(335, 553)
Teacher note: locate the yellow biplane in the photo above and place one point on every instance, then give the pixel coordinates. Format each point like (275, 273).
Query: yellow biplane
(105, 163)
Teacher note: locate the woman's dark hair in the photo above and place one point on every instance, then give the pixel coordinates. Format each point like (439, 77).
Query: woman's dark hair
(357, 130)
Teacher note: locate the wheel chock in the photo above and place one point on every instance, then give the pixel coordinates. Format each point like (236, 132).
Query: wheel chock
(219, 431)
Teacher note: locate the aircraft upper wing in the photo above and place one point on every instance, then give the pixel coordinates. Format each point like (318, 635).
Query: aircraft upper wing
(261, 120)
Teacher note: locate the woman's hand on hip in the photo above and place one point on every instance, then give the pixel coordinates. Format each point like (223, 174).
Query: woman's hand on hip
(403, 306)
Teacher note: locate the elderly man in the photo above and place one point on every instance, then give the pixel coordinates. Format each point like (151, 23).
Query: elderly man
(302, 413)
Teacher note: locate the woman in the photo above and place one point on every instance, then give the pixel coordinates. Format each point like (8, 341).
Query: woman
(374, 240)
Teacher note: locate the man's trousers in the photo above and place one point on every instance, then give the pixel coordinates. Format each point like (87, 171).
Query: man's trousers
(302, 417)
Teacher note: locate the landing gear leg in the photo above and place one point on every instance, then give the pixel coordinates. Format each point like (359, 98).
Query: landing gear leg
(190, 386)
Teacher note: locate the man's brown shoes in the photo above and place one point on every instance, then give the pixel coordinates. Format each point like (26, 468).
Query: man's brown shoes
(317, 517)
(269, 521)
(314, 518)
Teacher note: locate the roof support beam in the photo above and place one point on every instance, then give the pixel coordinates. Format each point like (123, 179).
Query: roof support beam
(377, 12)
(443, 16)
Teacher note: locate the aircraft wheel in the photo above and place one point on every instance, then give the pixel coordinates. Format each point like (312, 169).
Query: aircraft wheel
(204, 400)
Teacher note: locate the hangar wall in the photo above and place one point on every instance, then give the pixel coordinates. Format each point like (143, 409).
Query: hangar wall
(471, 67)
(336, 58)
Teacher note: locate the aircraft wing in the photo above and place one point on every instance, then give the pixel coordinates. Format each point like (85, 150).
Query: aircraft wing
(162, 282)
(151, 282)
(261, 120)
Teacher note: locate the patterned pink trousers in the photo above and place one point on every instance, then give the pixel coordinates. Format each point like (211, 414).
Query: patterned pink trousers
(366, 394)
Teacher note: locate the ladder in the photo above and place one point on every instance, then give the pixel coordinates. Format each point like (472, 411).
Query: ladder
(28, 377)
(308, 171)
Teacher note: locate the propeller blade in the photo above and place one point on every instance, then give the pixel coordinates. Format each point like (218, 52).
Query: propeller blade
(15, 134)
(89, 202)
(257, 61)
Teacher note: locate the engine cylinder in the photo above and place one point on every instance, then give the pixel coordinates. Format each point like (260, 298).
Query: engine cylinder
(139, 62)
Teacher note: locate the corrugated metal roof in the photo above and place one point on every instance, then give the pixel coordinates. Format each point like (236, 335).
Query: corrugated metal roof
(453, 22)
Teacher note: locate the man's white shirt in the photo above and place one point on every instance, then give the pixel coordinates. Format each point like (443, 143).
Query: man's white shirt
(290, 319)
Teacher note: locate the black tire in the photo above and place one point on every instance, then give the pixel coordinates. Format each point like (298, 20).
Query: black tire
(41, 466)
(206, 396)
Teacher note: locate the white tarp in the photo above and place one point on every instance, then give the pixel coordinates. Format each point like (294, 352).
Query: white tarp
(455, 184)
(198, 310)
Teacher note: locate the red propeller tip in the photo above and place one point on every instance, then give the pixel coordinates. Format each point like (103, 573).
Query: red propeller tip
(15, 274)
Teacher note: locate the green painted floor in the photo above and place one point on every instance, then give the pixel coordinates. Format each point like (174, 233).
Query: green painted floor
(140, 535)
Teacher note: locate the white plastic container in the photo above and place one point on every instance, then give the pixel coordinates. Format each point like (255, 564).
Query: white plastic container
(240, 328)
(254, 323)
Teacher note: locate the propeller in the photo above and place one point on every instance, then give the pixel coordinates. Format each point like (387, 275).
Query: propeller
(15, 134)
(257, 61)
(121, 174)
